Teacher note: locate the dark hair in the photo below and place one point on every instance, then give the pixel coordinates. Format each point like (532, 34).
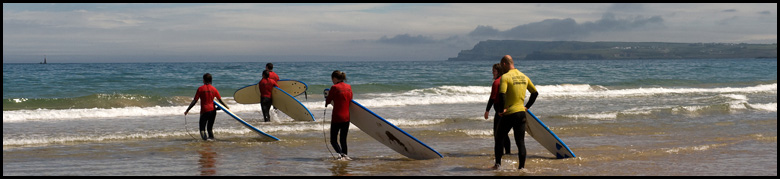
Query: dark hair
(207, 78)
(270, 66)
(500, 69)
(266, 74)
(339, 75)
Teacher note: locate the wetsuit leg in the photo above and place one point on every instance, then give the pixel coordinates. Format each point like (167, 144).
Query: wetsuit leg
(334, 132)
(519, 128)
(266, 106)
(516, 121)
(343, 137)
(206, 123)
(507, 146)
(335, 128)
(501, 130)
(212, 115)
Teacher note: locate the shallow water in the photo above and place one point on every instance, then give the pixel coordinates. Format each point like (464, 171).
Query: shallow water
(623, 120)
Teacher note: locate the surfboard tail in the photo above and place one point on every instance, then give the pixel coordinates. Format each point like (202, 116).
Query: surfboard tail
(291, 106)
(388, 134)
(247, 125)
(547, 138)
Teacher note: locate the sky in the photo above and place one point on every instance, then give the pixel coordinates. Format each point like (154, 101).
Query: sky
(113, 32)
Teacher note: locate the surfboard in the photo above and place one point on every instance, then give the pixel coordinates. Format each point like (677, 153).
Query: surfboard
(290, 106)
(292, 87)
(542, 134)
(250, 94)
(388, 134)
(247, 125)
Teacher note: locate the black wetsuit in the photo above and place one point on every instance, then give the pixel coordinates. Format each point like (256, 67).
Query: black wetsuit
(265, 104)
(335, 128)
(498, 107)
(206, 124)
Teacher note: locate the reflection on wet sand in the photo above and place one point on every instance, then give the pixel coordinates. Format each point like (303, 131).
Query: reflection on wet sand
(208, 159)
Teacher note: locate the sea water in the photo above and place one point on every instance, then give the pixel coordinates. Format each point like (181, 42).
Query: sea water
(620, 117)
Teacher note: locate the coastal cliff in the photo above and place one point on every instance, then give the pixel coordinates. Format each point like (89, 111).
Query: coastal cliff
(573, 50)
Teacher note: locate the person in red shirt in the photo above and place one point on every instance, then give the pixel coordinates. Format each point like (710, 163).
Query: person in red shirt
(340, 95)
(208, 111)
(266, 86)
(271, 74)
(498, 70)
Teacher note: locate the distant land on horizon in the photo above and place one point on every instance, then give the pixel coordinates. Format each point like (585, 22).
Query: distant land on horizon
(575, 50)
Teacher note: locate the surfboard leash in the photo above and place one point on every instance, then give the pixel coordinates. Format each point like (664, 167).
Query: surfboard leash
(322, 124)
(185, 128)
(324, 138)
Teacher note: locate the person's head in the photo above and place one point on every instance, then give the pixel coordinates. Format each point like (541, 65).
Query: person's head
(507, 62)
(266, 74)
(497, 70)
(207, 78)
(338, 76)
(269, 66)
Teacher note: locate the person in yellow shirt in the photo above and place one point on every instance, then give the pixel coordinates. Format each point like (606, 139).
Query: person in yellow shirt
(512, 89)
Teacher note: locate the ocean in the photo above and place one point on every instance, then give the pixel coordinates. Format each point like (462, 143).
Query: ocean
(620, 117)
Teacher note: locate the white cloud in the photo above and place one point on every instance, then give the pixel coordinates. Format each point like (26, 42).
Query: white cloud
(347, 29)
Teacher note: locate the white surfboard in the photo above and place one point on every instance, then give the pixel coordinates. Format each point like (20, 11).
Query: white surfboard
(542, 134)
(247, 125)
(290, 106)
(250, 94)
(292, 87)
(247, 95)
(388, 134)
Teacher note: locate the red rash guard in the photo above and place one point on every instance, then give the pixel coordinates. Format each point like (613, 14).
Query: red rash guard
(266, 86)
(340, 95)
(272, 75)
(494, 90)
(206, 93)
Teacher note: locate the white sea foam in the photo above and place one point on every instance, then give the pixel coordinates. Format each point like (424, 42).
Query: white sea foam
(415, 122)
(766, 107)
(87, 138)
(49, 114)
(598, 91)
(19, 100)
(738, 101)
(428, 96)
(601, 116)
(271, 128)
(477, 132)
(481, 132)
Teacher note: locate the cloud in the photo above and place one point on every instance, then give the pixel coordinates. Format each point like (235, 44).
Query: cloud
(569, 29)
(405, 39)
(548, 29)
(484, 31)
(554, 29)
(365, 29)
(625, 7)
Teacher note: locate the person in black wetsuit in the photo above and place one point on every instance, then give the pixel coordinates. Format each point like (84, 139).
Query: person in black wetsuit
(512, 89)
(498, 70)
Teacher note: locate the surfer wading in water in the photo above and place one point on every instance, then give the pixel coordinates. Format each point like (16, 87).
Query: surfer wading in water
(512, 90)
(271, 74)
(498, 70)
(340, 95)
(208, 111)
(266, 86)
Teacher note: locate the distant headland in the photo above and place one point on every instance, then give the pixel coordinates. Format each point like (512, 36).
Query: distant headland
(574, 50)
